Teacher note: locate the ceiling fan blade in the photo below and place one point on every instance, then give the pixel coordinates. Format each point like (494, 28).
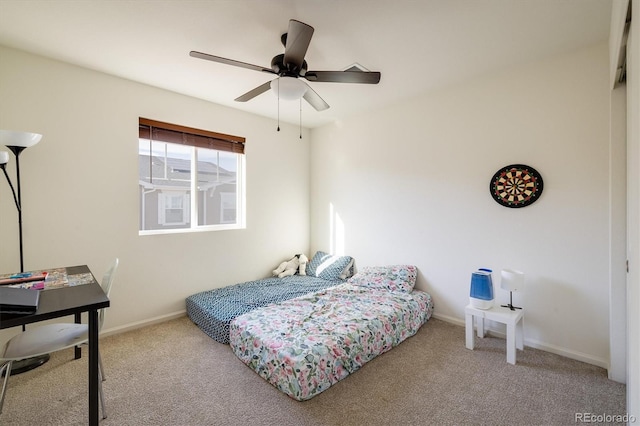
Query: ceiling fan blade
(298, 39)
(314, 99)
(226, 61)
(254, 92)
(364, 77)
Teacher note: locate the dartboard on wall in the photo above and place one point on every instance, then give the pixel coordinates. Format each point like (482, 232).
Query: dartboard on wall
(516, 185)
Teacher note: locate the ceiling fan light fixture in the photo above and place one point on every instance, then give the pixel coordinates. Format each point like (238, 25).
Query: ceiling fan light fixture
(288, 88)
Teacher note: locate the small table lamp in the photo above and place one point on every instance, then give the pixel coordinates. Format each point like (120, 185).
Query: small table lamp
(511, 280)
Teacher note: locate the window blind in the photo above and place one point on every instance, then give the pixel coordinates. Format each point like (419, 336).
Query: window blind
(173, 133)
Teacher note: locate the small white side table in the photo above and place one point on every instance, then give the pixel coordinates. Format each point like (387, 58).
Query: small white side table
(512, 319)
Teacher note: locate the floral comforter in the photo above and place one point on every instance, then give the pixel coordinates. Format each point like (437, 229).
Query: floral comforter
(304, 345)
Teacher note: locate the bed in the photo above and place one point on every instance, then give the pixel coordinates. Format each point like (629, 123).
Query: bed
(304, 345)
(213, 310)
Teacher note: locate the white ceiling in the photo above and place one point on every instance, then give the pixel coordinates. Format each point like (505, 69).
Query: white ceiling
(417, 45)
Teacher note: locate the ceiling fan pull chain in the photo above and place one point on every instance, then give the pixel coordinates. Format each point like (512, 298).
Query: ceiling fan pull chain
(300, 118)
(278, 103)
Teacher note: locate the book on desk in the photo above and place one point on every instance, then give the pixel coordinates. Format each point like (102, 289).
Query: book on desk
(23, 278)
(18, 300)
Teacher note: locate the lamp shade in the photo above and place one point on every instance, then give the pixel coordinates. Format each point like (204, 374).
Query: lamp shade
(511, 280)
(288, 88)
(4, 157)
(21, 139)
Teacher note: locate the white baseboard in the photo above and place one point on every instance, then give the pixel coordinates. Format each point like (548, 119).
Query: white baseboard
(143, 323)
(579, 356)
(446, 318)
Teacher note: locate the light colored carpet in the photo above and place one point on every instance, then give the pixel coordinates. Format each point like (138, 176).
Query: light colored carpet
(173, 374)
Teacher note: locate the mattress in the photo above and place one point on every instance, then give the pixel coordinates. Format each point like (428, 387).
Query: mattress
(213, 310)
(305, 345)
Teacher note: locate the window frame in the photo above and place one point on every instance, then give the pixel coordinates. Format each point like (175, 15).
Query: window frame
(156, 131)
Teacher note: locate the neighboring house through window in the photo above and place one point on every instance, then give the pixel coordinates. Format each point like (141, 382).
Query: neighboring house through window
(227, 207)
(176, 162)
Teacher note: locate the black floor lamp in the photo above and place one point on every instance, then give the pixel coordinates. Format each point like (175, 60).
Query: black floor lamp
(18, 142)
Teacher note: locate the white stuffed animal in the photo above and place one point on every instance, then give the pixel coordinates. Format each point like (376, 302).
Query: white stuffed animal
(292, 266)
(303, 264)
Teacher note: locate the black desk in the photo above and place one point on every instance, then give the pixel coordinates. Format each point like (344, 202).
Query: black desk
(60, 302)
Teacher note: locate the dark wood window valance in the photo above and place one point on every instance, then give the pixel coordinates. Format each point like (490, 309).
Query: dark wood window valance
(173, 133)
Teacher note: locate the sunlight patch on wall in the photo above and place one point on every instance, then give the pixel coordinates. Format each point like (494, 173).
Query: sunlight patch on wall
(336, 232)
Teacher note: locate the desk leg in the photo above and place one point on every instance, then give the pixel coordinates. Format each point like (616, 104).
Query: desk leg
(469, 331)
(511, 343)
(77, 349)
(93, 368)
(520, 334)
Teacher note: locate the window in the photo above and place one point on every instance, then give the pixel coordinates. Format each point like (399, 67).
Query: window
(173, 208)
(189, 179)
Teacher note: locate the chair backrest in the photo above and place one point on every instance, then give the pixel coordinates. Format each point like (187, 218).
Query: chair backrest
(107, 281)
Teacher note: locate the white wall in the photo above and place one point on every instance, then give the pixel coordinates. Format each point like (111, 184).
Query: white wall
(80, 187)
(410, 184)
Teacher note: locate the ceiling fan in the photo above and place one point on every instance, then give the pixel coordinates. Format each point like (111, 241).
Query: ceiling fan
(291, 66)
